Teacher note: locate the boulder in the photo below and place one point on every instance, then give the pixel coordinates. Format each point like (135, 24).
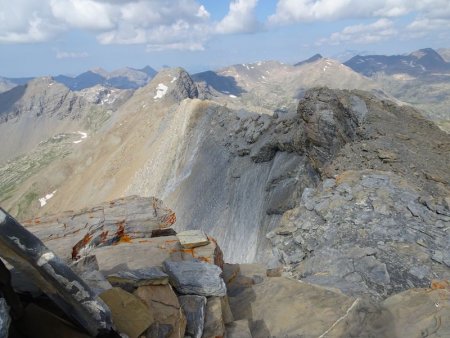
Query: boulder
(132, 279)
(130, 314)
(214, 322)
(162, 302)
(284, 307)
(194, 308)
(46, 270)
(194, 277)
(417, 312)
(73, 234)
(5, 319)
(192, 238)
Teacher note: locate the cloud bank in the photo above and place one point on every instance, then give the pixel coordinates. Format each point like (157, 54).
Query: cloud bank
(187, 24)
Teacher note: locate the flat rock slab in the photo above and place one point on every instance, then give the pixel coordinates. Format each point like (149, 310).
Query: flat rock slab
(148, 252)
(192, 238)
(73, 234)
(132, 279)
(163, 304)
(50, 273)
(194, 309)
(281, 307)
(130, 314)
(197, 278)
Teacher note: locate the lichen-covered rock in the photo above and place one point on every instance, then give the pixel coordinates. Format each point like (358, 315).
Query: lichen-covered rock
(151, 252)
(197, 278)
(110, 223)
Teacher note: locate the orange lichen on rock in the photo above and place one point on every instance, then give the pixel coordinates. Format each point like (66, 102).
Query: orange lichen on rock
(440, 284)
(76, 249)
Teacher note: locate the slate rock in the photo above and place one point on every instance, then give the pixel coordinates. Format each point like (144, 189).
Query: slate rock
(131, 279)
(194, 277)
(5, 319)
(130, 314)
(163, 304)
(214, 322)
(386, 238)
(192, 238)
(51, 274)
(194, 309)
(96, 281)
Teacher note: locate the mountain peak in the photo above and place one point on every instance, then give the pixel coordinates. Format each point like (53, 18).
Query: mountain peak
(175, 83)
(313, 58)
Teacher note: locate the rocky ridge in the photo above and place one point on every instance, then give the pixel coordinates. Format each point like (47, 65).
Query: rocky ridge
(175, 292)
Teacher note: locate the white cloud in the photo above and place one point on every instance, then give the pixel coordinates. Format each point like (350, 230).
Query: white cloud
(379, 30)
(71, 55)
(240, 18)
(289, 11)
(183, 24)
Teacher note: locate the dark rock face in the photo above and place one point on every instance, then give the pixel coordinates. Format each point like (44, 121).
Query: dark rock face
(193, 277)
(5, 319)
(27, 253)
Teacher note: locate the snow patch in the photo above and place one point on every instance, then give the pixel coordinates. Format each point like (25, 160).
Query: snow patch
(43, 200)
(161, 90)
(232, 96)
(173, 80)
(83, 136)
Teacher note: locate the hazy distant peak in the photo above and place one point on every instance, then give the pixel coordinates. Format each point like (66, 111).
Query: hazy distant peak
(313, 58)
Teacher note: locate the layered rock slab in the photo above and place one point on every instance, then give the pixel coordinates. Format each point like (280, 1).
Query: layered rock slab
(194, 277)
(75, 233)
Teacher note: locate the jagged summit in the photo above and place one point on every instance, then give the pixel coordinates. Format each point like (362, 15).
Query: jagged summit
(172, 83)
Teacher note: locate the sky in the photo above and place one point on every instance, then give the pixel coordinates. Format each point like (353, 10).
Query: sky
(50, 37)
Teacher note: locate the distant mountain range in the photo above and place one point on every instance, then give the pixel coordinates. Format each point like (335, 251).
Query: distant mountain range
(421, 62)
(123, 78)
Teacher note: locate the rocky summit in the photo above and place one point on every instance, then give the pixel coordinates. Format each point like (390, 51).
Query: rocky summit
(244, 202)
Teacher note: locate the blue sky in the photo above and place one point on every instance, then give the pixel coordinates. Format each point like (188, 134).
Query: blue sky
(50, 37)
